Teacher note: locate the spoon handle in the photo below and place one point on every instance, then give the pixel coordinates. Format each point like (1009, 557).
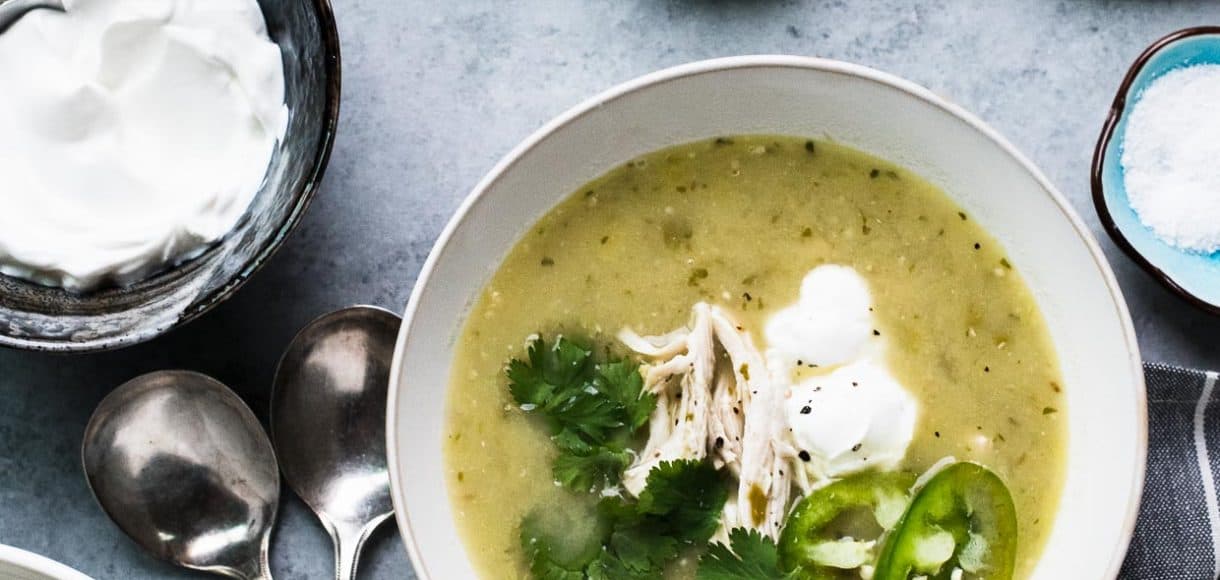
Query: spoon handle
(264, 573)
(349, 541)
(259, 569)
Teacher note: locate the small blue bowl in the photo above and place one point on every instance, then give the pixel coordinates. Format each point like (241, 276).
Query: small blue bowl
(1194, 276)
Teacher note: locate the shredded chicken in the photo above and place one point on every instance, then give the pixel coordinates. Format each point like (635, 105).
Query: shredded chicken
(679, 425)
(725, 407)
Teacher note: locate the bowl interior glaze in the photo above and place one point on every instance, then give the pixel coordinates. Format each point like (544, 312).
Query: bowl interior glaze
(42, 318)
(860, 107)
(1192, 275)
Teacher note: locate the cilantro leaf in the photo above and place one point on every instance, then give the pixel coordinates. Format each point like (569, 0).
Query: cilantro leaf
(753, 557)
(543, 568)
(569, 441)
(591, 409)
(546, 562)
(585, 471)
(588, 412)
(550, 370)
(688, 496)
(635, 540)
(643, 548)
(609, 567)
(622, 382)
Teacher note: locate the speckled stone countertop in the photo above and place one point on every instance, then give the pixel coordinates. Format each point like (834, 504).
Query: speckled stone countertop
(435, 92)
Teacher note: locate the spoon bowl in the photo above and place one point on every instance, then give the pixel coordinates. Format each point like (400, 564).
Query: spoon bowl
(328, 423)
(184, 468)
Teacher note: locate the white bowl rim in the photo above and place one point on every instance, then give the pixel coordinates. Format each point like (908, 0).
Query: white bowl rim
(32, 562)
(764, 61)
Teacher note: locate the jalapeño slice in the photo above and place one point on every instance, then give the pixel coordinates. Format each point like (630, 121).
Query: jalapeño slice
(812, 541)
(963, 518)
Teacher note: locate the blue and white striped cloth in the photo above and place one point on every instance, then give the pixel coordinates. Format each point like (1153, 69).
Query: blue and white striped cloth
(1177, 536)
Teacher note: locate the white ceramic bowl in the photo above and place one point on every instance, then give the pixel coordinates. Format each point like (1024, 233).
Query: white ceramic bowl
(857, 106)
(22, 565)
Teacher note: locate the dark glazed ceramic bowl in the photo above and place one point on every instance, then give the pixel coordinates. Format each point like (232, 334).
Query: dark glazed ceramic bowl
(1195, 277)
(41, 318)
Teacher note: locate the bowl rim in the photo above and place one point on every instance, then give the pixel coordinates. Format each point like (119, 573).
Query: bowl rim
(1117, 109)
(14, 556)
(332, 65)
(721, 64)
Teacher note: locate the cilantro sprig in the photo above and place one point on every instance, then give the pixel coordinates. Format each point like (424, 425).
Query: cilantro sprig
(753, 556)
(591, 408)
(679, 508)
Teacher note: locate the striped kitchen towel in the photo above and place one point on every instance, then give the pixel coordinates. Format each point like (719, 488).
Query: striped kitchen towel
(1177, 535)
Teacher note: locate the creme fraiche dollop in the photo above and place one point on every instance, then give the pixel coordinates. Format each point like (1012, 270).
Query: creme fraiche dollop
(852, 414)
(133, 134)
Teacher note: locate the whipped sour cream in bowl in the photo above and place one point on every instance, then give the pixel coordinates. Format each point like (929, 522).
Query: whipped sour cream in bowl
(132, 135)
(155, 154)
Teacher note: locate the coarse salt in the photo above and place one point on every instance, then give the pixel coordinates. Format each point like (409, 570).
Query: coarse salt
(1171, 158)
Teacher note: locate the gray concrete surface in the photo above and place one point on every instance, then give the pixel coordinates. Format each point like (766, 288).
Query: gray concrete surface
(436, 92)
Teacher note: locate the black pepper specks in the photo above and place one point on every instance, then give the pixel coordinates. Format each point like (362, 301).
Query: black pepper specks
(809, 146)
(804, 455)
(876, 332)
(719, 442)
(806, 410)
(855, 448)
(548, 262)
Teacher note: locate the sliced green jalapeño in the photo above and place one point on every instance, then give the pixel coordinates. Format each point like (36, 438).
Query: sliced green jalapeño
(963, 518)
(813, 542)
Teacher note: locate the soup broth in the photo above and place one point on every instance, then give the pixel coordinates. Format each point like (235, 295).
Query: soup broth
(737, 222)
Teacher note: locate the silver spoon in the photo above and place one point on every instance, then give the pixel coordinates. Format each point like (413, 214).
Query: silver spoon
(328, 417)
(184, 468)
(12, 10)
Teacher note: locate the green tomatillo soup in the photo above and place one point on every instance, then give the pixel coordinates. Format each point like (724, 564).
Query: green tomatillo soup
(760, 354)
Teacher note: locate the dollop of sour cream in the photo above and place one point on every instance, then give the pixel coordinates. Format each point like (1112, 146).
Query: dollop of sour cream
(133, 134)
(830, 324)
(846, 411)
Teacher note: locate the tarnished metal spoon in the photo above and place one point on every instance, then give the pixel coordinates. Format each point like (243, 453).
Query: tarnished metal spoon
(12, 10)
(180, 463)
(328, 422)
